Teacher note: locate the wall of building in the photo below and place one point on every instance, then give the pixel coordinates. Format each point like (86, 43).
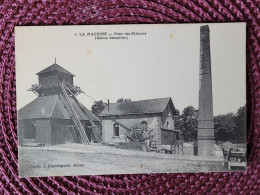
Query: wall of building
(60, 133)
(168, 137)
(43, 131)
(161, 132)
(20, 132)
(97, 133)
(108, 130)
(55, 77)
(168, 121)
(48, 78)
(28, 129)
(50, 132)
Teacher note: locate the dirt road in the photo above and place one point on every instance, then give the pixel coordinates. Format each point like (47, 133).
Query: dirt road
(77, 159)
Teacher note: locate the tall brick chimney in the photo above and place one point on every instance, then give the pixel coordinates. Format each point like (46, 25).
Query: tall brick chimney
(205, 112)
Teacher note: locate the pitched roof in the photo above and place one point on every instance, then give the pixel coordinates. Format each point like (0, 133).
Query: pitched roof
(51, 107)
(55, 67)
(137, 107)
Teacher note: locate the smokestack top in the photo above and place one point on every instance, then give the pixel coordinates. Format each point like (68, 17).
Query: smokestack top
(204, 28)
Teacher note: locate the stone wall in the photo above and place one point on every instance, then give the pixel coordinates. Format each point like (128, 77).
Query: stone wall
(108, 131)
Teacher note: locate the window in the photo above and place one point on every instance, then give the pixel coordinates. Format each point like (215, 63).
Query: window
(167, 124)
(116, 129)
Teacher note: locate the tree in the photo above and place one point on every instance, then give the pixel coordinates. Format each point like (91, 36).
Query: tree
(240, 124)
(189, 124)
(227, 127)
(177, 120)
(123, 100)
(98, 107)
(224, 126)
(231, 126)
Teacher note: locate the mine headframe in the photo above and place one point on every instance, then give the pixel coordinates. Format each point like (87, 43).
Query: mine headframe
(53, 88)
(65, 97)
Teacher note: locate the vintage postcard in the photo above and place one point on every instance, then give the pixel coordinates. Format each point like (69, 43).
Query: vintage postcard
(128, 99)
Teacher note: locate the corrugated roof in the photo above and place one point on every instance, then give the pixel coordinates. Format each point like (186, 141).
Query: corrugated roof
(51, 107)
(55, 67)
(136, 107)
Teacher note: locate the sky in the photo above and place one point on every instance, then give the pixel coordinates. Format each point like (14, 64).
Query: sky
(162, 63)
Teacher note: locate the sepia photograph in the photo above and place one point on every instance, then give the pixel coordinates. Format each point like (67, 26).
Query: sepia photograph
(130, 99)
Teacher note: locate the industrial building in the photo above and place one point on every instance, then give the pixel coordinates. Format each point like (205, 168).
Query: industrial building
(146, 121)
(56, 116)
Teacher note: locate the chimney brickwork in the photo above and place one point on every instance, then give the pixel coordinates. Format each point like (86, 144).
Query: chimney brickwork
(205, 112)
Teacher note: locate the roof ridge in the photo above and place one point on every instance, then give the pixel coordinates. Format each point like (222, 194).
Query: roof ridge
(141, 100)
(157, 105)
(55, 67)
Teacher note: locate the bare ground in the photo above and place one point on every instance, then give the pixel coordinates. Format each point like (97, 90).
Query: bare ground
(78, 159)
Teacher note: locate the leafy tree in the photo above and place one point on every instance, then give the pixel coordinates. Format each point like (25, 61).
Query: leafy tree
(227, 127)
(231, 126)
(224, 126)
(98, 107)
(240, 124)
(189, 124)
(123, 100)
(177, 120)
